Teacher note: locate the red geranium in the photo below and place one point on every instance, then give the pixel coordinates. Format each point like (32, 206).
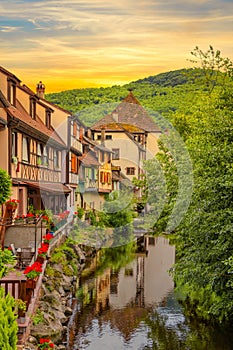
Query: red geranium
(47, 237)
(45, 343)
(34, 270)
(43, 249)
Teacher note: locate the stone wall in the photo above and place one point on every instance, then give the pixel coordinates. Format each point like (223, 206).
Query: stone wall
(24, 236)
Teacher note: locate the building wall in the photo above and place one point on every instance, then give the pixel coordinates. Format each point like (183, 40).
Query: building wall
(3, 83)
(129, 153)
(93, 198)
(59, 121)
(24, 236)
(4, 147)
(152, 145)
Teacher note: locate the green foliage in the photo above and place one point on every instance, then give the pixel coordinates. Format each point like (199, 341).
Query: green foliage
(80, 212)
(205, 239)
(8, 324)
(118, 210)
(164, 94)
(5, 186)
(38, 317)
(6, 261)
(67, 270)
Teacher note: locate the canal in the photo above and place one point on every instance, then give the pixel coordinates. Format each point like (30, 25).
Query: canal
(126, 300)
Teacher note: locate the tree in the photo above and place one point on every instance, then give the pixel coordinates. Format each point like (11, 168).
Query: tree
(205, 238)
(5, 186)
(119, 215)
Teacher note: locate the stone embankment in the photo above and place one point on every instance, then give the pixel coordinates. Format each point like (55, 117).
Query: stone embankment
(55, 303)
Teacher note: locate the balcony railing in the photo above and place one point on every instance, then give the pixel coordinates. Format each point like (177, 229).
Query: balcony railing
(88, 185)
(76, 144)
(37, 173)
(73, 178)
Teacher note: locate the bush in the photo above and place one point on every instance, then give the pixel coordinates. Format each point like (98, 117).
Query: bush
(5, 186)
(8, 324)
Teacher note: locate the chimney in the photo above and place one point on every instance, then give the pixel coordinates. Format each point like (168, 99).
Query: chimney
(102, 135)
(40, 89)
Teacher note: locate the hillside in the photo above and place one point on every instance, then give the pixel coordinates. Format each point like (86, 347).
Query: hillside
(161, 94)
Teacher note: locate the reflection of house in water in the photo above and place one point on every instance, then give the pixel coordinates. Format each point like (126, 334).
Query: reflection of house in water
(102, 291)
(122, 298)
(145, 281)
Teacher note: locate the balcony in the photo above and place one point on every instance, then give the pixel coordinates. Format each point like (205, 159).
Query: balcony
(76, 145)
(88, 185)
(73, 179)
(37, 173)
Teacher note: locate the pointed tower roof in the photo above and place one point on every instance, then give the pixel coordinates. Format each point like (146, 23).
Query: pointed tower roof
(128, 112)
(130, 98)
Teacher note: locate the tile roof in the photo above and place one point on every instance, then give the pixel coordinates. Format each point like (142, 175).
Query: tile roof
(3, 70)
(96, 144)
(88, 159)
(128, 112)
(55, 187)
(20, 113)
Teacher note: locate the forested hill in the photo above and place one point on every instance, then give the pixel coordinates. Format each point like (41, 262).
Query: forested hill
(161, 94)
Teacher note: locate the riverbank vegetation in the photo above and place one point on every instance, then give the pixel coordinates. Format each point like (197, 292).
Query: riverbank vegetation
(204, 239)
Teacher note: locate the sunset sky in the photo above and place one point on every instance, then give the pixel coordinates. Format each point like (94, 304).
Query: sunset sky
(76, 44)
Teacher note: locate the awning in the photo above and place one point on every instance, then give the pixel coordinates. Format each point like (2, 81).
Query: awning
(52, 187)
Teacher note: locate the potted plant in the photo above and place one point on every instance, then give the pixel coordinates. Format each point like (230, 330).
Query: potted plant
(47, 238)
(42, 251)
(12, 204)
(45, 344)
(32, 273)
(20, 309)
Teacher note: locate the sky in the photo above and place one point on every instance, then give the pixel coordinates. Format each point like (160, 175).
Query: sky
(72, 44)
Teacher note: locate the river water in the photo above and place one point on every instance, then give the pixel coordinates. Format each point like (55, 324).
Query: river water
(127, 301)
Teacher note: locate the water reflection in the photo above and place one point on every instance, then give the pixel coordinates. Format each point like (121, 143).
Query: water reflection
(126, 301)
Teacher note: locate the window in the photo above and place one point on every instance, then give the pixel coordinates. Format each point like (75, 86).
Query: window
(12, 92)
(108, 137)
(116, 153)
(108, 178)
(45, 156)
(33, 108)
(25, 150)
(14, 144)
(56, 159)
(73, 163)
(39, 153)
(74, 129)
(48, 118)
(102, 177)
(130, 171)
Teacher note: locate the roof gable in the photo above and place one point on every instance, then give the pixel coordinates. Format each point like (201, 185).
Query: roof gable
(128, 112)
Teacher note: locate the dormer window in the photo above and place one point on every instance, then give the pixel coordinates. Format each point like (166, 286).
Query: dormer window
(11, 92)
(33, 108)
(48, 118)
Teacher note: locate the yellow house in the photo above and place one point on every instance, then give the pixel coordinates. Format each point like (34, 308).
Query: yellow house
(95, 179)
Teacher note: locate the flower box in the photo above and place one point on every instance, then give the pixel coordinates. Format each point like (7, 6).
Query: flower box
(31, 283)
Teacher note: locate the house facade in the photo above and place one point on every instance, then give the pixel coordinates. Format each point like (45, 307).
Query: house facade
(71, 130)
(130, 133)
(95, 176)
(31, 150)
